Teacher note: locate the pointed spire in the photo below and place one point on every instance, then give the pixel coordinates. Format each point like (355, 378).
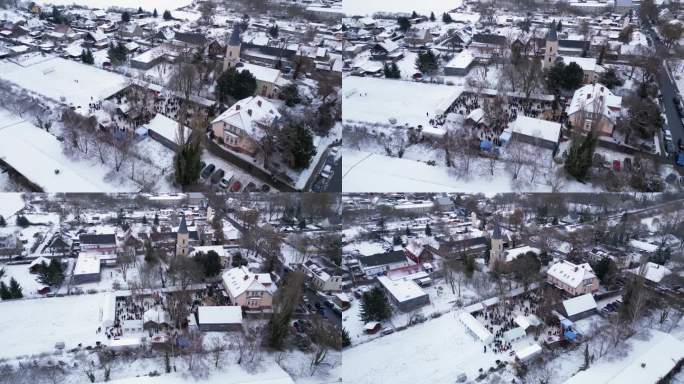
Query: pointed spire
(235, 36)
(183, 228)
(552, 36)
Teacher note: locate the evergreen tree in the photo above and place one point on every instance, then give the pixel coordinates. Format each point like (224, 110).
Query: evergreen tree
(432, 16)
(404, 24)
(446, 18)
(469, 264)
(290, 94)
(234, 84)
(187, 161)
(156, 219)
(155, 14)
(296, 142)
(396, 239)
(15, 289)
(346, 340)
(273, 31)
(408, 231)
(580, 156)
(87, 57)
(426, 62)
(573, 76)
(51, 274)
(414, 15)
(210, 263)
(392, 71)
(167, 15)
(3, 223)
(302, 224)
(428, 230)
(375, 306)
(144, 220)
(140, 10)
(22, 221)
(559, 26)
(117, 53)
(125, 17)
(4, 291)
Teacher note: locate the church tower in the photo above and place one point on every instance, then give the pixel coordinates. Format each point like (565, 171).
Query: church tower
(551, 51)
(233, 48)
(182, 238)
(496, 251)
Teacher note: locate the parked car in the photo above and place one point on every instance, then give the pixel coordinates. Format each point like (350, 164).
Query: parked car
(326, 172)
(236, 187)
(250, 187)
(218, 175)
(207, 171)
(225, 182)
(669, 148)
(387, 331)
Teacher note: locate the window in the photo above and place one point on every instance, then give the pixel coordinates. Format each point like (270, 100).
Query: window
(587, 124)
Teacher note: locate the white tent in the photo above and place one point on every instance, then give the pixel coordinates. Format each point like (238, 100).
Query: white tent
(475, 327)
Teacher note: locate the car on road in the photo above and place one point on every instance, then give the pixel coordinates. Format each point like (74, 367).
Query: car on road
(218, 175)
(669, 147)
(679, 159)
(207, 171)
(326, 172)
(668, 135)
(387, 331)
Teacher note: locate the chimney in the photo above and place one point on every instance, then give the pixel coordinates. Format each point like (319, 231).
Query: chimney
(237, 107)
(259, 103)
(246, 277)
(256, 277)
(249, 111)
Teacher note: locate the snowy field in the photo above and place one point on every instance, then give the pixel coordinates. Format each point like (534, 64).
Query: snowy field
(368, 172)
(148, 5)
(10, 203)
(376, 101)
(37, 155)
(62, 80)
(365, 7)
(433, 352)
(34, 326)
(27, 280)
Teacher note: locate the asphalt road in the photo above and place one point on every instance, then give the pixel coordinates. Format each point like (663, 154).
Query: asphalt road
(335, 183)
(668, 90)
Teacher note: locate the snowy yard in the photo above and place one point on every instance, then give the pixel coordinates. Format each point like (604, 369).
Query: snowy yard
(148, 5)
(38, 155)
(33, 326)
(62, 80)
(433, 352)
(364, 7)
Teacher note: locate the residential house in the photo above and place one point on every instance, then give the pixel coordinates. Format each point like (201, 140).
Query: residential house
(594, 105)
(247, 289)
(416, 37)
(321, 279)
(575, 279)
(245, 123)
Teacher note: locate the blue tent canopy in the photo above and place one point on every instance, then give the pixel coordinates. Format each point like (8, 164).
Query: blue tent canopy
(486, 145)
(570, 335)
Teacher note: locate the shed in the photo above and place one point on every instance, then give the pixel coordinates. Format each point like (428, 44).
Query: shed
(219, 318)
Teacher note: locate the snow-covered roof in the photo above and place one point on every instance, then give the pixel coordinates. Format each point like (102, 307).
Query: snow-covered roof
(514, 333)
(543, 129)
(261, 73)
(579, 304)
(514, 253)
(247, 113)
(643, 246)
(225, 314)
(652, 271)
(156, 315)
(239, 280)
(477, 328)
(87, 264)
(586, 63)
(166, 128)
(39, 260)
(528, 352)
(462, 60)
(571, 274)
(590, 96)
(401, 290)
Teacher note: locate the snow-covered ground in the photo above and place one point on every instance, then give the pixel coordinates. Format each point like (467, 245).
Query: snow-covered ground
(38, 155)
(33, 326)
(10, 203)
(376, 101)
(62, 80)
(369, 172)
(148, 5)
(433, 352)
(365, 7)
